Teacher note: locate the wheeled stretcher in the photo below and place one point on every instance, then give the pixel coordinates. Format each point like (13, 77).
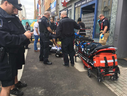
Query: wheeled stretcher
(95, 56)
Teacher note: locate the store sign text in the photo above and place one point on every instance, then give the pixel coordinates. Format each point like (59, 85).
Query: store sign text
(83, 2)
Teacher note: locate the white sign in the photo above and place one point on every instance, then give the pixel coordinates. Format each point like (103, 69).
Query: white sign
(65, 0)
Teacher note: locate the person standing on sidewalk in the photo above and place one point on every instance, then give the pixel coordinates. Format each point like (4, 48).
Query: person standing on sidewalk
(82, 28)
(36, 34)
(104, 29)
(20, 58)
(44, 38)
(8, 43)
(65, 31)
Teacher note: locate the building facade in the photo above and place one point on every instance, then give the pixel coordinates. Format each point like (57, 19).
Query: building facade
(0, 2)
(22, 13)
(89, 11)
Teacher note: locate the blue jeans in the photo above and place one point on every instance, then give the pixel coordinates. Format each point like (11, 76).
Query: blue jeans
(35, 41)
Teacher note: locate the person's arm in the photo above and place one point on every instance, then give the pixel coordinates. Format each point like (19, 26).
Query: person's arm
(105, 29)
(8, 40)
(48, 26)
(37, 31)
(76, 26)
(50, 30)
(59, 30)
(105, 26)
(36, 28)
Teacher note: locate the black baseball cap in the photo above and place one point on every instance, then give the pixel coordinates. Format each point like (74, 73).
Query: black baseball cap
(15, 4)
(79, 19)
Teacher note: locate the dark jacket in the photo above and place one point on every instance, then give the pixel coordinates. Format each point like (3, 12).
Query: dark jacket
(82, 28)
(52, 26)
(66, 28)
(27, 27)
(9, 40)
(43, 24)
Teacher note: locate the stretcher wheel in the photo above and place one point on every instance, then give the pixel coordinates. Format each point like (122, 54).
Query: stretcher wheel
(89, 72)
(115, 77)
(99, 79)
(99, 75)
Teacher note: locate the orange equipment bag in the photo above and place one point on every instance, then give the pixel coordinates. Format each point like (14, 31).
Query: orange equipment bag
(105, 60)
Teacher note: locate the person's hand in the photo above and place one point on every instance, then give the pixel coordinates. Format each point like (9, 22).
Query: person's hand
(77, 32)
(28, 34)
(53, 32)
(102, 36)
(57, 45)
(38, 34)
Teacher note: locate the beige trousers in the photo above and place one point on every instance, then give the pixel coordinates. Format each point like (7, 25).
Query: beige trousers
(106, 35)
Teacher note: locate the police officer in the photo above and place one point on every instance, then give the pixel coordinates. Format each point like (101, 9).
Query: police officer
(44, 38)
(65, 31)
(104, 29)
(19, 56)
(8, 42)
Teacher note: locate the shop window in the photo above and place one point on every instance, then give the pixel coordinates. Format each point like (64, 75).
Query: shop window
(104, 3)
(77, 13)
(108, 2)
(70, 14)
(106, 14)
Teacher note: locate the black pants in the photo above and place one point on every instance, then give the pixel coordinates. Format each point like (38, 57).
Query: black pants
(68, 48)
(27, 43)
(44, 47)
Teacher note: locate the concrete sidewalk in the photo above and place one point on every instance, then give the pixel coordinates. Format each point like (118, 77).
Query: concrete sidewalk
(57, 80)
(119, 87)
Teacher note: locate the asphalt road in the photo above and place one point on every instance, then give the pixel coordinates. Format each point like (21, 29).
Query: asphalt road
(57, 80)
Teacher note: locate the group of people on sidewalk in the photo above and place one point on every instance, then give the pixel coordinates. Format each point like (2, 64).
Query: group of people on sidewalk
(13, 38)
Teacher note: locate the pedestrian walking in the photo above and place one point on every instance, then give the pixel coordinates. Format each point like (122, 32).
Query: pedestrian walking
(65, 31)
(8, 44)
(104, 29)
(36, 34)
(44, 38)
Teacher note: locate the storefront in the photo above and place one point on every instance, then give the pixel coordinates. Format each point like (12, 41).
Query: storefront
(114, 10)
(89, 11)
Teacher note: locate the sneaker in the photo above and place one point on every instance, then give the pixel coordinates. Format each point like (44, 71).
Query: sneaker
(36, 50)
(16, 92)
(20, 85)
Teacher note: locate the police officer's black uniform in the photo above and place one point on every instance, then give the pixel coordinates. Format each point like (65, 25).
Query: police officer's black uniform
(44, 40)
(65, 31)
(20, 59)
(9, 42)
(104, 22)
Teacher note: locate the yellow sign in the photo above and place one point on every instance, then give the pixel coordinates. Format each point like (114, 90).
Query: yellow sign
(32, 25)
